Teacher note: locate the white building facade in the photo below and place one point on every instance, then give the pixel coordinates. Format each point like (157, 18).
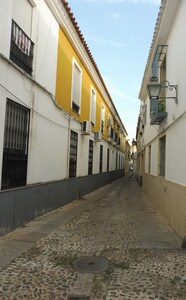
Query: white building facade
(162, 119)
(36, 135)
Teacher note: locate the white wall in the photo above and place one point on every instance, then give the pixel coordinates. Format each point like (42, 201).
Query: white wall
(22, 15)
(176, 149)
(176, 74)
(6, 8)
(150, 130)
(48, 141)
(46, 48)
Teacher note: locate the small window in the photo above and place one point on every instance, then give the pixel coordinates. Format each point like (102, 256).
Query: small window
(90, 158)
(76, 87)
(21, 48)
(162, 157)
(101, 159)
(73, 154)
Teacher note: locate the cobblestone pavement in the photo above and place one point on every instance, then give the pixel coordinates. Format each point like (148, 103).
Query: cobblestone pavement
(116, 222)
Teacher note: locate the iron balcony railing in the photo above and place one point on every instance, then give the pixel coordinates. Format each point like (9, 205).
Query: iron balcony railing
(21, 48)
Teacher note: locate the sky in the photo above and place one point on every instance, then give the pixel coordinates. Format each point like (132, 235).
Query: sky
(119, 35)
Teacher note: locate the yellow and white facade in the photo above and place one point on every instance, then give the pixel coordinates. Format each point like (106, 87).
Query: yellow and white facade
(57, 117)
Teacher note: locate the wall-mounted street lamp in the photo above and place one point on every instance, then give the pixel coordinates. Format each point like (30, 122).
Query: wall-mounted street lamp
(155, 88)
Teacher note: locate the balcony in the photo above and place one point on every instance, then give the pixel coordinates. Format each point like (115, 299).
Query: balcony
(157, 109)
(21, 49)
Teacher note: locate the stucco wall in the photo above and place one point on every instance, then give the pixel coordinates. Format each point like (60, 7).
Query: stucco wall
(169, 198)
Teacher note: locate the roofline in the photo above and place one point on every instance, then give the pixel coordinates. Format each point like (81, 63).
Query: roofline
(154, 39)
(85, 45)
(167, 12)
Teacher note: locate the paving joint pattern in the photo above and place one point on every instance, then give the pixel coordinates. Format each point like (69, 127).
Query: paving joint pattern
(116, 222)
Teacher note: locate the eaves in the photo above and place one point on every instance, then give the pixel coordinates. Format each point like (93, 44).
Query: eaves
(165, 20)
(67, 21)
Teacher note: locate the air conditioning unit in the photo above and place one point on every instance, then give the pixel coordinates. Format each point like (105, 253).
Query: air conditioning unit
(86, 127)
(98, 136)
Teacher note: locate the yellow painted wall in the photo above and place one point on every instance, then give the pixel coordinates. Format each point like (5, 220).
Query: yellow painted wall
(66, 53)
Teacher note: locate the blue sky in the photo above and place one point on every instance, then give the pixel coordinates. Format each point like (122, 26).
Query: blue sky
(119, 34)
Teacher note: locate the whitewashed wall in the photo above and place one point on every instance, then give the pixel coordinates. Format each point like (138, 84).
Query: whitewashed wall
(6, 8)
(175, 129)
(46, 47)
(49, 140)
(176, 74)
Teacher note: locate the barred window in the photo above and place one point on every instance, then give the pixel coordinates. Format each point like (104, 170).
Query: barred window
(108, 159)
(90, 158)
(116, 161)
(73, 154)
(15, 150)
(101, 159)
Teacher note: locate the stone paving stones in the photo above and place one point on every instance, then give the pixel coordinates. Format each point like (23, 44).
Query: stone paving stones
(112, 228)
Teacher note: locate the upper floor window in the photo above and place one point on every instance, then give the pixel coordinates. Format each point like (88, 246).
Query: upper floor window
(76, 87)
(109, 121)
(102, 118)
(92, 106)
(21, 48)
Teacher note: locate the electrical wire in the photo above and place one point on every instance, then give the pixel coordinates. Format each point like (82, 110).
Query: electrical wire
(35, 111)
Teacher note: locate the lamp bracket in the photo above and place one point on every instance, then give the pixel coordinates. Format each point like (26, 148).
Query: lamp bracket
(166, 85)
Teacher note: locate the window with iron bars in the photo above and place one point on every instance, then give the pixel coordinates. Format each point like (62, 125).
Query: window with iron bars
(108, 159)
(101, 159)
(73, 154)
(90, 159)
(15, 150)
(21, 48)
(112, 133)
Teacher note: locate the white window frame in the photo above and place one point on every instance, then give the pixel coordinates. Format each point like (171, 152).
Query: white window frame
(92, 105)
(77, 102)
(110, 123)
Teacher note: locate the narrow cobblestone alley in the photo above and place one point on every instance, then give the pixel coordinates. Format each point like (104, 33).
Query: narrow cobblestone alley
(116, 222)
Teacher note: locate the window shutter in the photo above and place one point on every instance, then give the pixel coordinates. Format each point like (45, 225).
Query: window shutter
(76, 89)
(93, 107)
